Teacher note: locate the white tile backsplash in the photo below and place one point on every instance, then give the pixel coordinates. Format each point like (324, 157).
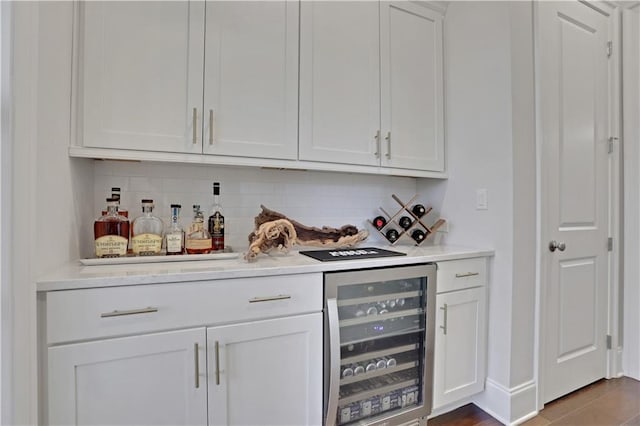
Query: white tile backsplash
(312, 198)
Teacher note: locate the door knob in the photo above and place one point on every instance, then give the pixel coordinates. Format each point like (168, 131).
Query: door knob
(553, 245)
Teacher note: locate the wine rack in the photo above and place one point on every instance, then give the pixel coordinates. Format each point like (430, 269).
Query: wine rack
(393, 222)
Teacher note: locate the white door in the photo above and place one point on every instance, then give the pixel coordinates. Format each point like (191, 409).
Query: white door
(411, 50)
(251, 79)
(574, 116)
(266, 372)
(154, 379)
(459, 355)
(140, 84)
(340, 82)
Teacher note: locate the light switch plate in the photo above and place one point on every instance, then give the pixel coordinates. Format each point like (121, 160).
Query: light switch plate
(482, 202)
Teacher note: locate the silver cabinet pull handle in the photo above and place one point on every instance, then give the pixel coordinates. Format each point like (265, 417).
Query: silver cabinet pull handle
(444, 322)
(117, 313)
(377, 138)
(217, 350)
(467, 274)
(269, 298)
(388, 139)
(196, 358)
(210, 127)
(195, 126)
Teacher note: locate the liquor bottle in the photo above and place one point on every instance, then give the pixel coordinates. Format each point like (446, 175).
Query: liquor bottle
(216, 221)
(405, 222)
(115, 193)
(174, 236)
(111, 232)
(379, 222)
(197, 238)
(147, 232)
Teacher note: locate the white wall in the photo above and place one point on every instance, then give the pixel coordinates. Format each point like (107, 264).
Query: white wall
(491, 145)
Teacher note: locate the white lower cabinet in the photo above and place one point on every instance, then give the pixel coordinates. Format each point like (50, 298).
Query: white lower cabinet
(460, 331)
(118, 365)
(266, 373)
(150, 379)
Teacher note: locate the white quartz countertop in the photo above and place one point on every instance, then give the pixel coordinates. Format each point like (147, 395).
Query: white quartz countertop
(76, 276)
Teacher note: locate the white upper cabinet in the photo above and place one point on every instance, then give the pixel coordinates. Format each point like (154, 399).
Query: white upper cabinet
(340, 82)
(251, 79)
(411, 50)
(143, 75)
(371, 84)
(140, 75)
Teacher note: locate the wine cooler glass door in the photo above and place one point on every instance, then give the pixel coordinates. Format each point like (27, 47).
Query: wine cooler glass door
(380, 342)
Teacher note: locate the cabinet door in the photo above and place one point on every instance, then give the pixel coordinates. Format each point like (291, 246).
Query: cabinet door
(151, 379)
(141, 75)
(266, 372)
(340, 82)
(412, 87)
(251, 79)
(460, 345)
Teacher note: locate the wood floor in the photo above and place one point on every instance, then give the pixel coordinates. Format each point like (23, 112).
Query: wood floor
(612, 402)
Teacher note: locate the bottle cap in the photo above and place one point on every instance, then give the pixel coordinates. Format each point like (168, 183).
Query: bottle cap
(114, 189)
(112, 199)
(176, 206)
(145, 201)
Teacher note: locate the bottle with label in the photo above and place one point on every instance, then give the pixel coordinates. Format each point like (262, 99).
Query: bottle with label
(147, 232)
(111, 232)
(174, 236)
(216, 220)
(197, 239)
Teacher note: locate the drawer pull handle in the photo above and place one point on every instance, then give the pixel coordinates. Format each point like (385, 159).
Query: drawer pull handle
(116, 313)
(468, 274)
(195, 126)
(196, 360)
(269, 298)
(217, 349)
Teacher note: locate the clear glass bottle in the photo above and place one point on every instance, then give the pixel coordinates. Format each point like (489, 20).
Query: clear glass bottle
(146, 232)
(197, 238)
(111, 232)
(115, 193)
(216, 221)
(174, 236)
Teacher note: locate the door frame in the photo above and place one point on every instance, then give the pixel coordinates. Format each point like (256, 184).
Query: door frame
(614, 314)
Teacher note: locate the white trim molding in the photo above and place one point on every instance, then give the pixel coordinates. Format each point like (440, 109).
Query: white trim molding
(510, 406)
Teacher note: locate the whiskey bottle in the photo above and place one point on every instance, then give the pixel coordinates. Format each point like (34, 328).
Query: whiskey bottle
(197, 239)
(216, 221)
(147, 232)
(111, 232)
(115, 193)
(174, 236)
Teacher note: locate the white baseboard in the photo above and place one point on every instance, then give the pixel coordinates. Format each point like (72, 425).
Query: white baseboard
(509, 406)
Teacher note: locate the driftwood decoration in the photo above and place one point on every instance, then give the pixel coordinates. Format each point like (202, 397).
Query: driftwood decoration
(275, 231)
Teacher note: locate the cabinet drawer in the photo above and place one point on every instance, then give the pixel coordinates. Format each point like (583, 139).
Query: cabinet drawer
(114, 311)
(460, 274)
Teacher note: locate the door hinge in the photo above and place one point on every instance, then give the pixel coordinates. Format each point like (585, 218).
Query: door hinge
(609, 48)
(609, 344)
(610, 244)
(611, 140)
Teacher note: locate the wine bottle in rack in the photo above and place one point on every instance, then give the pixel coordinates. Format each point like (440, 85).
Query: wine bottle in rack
(405, 222)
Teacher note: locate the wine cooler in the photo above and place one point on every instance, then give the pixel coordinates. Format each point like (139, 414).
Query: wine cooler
(379, 331)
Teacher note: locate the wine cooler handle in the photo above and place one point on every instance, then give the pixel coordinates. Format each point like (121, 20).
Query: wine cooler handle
(334, 358)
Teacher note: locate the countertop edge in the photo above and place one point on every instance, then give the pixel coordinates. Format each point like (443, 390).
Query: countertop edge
(74, 276)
